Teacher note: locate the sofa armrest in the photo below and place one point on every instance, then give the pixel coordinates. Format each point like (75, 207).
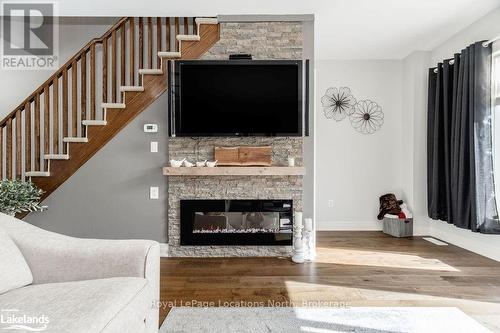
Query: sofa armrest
(57, 258)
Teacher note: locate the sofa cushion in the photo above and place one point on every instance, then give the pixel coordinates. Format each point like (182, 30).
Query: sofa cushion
(14, 272)
(84, 306)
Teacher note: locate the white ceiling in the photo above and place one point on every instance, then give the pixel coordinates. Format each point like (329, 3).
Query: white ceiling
(344, 29)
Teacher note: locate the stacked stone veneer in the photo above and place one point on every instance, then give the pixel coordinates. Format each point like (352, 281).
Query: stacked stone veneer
(264, 40)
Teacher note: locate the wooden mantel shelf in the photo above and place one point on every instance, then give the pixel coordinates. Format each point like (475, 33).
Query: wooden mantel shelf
(235, 171)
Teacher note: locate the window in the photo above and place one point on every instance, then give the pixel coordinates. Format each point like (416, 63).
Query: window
(495, 93)
(496, 78)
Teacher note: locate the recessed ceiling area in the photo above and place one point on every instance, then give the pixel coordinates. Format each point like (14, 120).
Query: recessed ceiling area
(344, 29)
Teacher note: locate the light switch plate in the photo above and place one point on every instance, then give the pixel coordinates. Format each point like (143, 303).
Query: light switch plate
(154, 193)
(154, 146)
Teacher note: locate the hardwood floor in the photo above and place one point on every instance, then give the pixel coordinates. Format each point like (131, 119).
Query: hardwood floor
(351, 269)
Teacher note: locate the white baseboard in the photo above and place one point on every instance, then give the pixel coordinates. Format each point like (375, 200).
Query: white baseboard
(348, 225)
(163, 250)
(362, 226)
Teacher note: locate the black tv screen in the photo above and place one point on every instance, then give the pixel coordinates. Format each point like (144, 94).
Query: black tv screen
(237, 98)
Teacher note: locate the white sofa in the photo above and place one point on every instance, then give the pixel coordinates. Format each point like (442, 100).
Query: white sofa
(79, 285)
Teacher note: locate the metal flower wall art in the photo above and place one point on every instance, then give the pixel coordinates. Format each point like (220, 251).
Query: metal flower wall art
(338, 103)
(365, 116)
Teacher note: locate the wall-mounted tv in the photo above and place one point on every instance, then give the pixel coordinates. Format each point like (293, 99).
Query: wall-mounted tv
(236, 98)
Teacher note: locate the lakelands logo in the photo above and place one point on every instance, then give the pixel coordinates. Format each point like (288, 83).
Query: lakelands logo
(13, 319)
(30, 36)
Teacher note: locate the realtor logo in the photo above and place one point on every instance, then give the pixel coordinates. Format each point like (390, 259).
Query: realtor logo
(13, 319)
(29, 36)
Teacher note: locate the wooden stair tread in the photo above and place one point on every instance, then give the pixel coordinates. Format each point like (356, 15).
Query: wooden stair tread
(94, 122)
(188, 38)
(37, 174)
(131, 88)
(206, 20)
(169, 54)
(113, 105)
(150, 71)
(56, 157)
(76, 139)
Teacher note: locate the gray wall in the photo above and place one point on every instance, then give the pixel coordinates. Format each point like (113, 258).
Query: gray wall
(354, 169)
(109, 196)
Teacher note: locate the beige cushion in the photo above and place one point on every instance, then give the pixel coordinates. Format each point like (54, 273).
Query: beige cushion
(103, 305)
(14, 271)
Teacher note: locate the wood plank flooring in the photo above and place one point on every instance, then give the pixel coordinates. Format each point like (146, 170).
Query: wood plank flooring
(351, 269)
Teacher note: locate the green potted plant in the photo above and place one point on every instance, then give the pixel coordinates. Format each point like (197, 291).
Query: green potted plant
(17, 196)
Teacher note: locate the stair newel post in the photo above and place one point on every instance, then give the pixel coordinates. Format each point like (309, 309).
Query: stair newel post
(55, 113)
(177, 28)
(132, 51)
(37, 121)
(158, 41)
(18, 144)
(27, 137)
(141, 42)
(150, 43)
(92, 82)
(74, 99)
(186, 26)
(8, 153)
(65, 110)
(113, 66)
(167, 34)
(46, 120)
(83, 88)
(123, 37)
(104, 70)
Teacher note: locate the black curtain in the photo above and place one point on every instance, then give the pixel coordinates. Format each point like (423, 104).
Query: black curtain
(460, 183)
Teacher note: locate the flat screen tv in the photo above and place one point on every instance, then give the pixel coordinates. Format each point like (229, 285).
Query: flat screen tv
(237, 98)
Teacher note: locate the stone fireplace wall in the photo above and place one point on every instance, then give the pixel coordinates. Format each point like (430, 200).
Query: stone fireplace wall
(264, 40)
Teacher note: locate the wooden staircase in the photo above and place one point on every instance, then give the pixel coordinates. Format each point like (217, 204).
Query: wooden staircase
(95, 94)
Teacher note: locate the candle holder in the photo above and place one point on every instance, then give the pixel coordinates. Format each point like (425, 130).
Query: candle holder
(309, 248)
(298, 244)
(308, 252)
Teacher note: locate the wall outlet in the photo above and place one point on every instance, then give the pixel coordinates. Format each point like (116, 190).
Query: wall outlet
(154, 146)
(150, 128)
(330, 203)
(154, 193)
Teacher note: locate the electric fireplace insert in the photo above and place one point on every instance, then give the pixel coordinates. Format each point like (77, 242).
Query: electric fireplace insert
(236, 222)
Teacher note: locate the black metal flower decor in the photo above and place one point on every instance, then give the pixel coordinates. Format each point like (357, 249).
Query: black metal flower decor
(367, 117)
(338, 103)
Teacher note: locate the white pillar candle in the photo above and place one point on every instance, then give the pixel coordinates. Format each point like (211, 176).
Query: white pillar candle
(308, 224)
(298, 218)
